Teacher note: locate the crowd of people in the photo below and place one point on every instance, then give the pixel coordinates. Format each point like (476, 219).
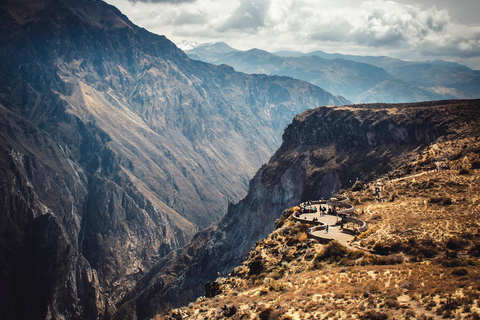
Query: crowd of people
(309, 208)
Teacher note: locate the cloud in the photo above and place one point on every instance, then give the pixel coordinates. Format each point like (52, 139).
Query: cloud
(377, 27)
(190, 18)
(249, 16)
(163, 1)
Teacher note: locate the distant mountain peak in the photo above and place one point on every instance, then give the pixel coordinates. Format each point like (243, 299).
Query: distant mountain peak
(186, 45)
(213, 47)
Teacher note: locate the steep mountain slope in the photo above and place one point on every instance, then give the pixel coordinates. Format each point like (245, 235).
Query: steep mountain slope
(117, 148)
(323, 151)
(360, 79)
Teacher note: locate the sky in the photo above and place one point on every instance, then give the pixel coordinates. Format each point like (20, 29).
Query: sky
(409, 30)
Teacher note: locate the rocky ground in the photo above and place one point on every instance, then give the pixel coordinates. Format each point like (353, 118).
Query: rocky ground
(418, 260)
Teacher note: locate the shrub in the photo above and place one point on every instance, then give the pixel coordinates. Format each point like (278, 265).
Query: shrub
(475, 250)
(256, 266)
(392, 303)
(373, 315)
(475, 164)
(460, 271)
(456, 243)
(229, 311)
(435, 200)
(357, 186)
(447, 201)
(425, 248)
(410, 314)
(365, 234)
(278, 273)
(451, 263)
(333, 252)
(300, 237)
(463, 171)
(390, 260)
(212, 289)
(396, 246)
(277, 286)
(265, 314)
(286, 213)
(393, 196)
(381, 248)
(355, 254)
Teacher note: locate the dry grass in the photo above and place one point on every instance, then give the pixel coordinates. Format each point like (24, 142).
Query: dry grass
(421, 266)
(430, 209)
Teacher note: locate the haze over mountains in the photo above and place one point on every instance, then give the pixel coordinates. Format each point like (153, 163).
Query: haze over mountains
(116, 148)
(358, 78)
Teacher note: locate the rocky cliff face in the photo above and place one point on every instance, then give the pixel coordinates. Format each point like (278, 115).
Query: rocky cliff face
(116, 149)
(323, 150)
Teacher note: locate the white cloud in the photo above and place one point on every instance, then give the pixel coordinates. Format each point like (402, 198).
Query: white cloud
(347, 26)
(249, 16)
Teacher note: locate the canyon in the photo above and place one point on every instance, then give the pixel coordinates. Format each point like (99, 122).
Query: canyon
(116, 149)
(324, 151)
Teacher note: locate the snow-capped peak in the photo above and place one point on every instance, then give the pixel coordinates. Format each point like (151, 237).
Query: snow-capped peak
(186, 45)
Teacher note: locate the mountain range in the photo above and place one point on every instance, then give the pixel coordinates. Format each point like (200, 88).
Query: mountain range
(361, 79)
(116, 148)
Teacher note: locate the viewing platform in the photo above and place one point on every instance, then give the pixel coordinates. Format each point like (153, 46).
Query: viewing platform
(335, 214)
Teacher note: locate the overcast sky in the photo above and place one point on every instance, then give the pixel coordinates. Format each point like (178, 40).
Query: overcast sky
(410, 30)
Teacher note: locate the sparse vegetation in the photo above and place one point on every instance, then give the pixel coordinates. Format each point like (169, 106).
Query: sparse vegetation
(475, 164)
(417, 260)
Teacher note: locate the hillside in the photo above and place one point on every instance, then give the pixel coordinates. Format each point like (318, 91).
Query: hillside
(360, 79)
(116, 149)
(419, 259)
(323, 151)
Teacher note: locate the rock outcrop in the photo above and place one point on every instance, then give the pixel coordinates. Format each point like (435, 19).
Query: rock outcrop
(323, 151)
(116, 149)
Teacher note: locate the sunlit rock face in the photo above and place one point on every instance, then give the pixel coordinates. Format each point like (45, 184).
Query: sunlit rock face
(323, 150)
(116, 149)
